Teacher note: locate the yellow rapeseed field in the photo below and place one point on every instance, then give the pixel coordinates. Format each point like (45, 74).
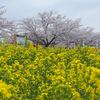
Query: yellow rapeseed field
(37, 73)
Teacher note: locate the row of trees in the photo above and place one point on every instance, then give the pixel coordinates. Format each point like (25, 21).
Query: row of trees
(47, 29)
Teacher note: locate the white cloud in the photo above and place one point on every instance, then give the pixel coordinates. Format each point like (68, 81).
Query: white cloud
(88, 10)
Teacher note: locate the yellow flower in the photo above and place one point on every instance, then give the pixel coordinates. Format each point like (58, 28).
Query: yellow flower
(5, 89)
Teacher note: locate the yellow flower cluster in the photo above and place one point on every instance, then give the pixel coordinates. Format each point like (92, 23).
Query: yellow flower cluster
(5, 90)
(37, 73)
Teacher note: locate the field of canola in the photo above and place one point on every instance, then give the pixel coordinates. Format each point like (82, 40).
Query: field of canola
(29, 73)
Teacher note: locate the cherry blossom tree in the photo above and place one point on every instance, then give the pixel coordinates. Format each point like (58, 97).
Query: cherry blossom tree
(51, 28)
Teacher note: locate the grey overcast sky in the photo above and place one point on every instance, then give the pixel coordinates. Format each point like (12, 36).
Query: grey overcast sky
(87, 10)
